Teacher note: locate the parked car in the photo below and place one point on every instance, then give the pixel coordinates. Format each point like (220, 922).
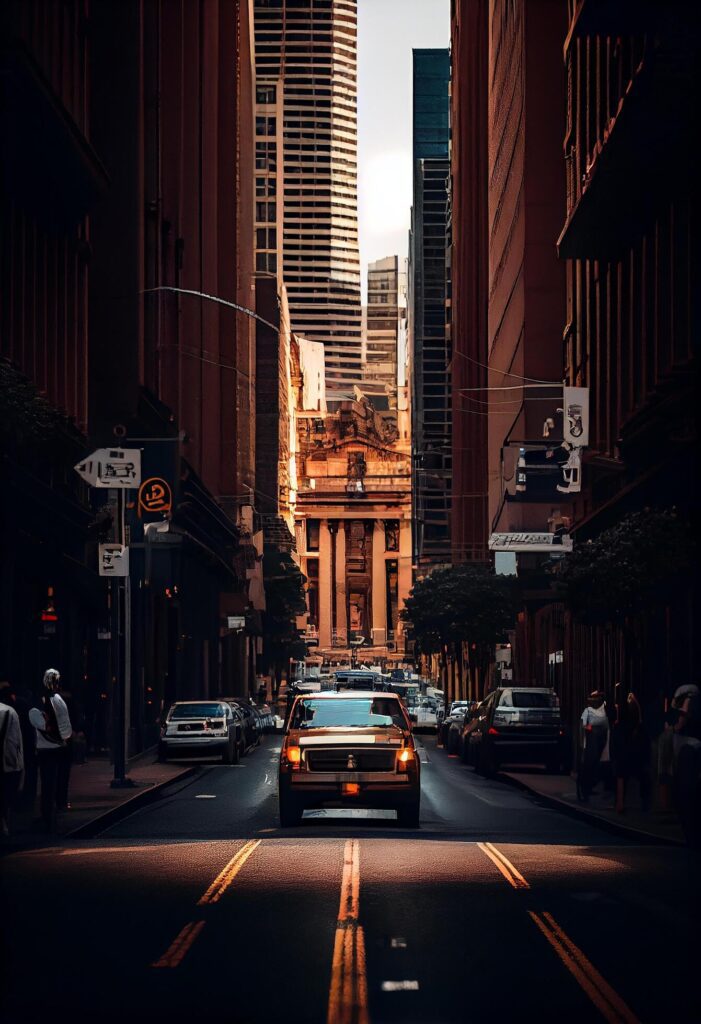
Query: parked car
(349, 749)
(515, 725)
(201, 727)
(450, 729)
(426, 712)
(252, 731)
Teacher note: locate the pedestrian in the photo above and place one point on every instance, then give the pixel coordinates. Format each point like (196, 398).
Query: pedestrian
(262, 693)
(631, 753)
(594, 744)
(77, 743)
(11, 762)
(52, 727)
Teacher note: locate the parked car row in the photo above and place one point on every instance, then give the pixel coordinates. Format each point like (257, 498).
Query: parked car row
(226, 728)
(512, 725)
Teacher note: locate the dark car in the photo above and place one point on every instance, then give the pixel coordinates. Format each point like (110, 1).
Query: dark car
(252, 730)
(450, 727)
(349, 749)
(515, 725)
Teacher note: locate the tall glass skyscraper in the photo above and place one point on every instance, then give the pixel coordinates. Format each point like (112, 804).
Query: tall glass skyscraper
(306, 173)
(429, 306)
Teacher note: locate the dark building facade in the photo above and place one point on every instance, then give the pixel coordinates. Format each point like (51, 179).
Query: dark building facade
(631, 334)
(51, 177)
(469, 232)
(146, 112)
(429, 339)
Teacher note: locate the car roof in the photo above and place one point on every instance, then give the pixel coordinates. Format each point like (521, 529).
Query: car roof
(529, 689)
(212, 700)
(346, 695)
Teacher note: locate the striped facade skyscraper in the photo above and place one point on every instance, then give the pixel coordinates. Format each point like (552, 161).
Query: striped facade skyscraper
(306, 173)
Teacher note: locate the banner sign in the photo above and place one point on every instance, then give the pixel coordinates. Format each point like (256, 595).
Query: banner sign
(551, 543)
(575, 426)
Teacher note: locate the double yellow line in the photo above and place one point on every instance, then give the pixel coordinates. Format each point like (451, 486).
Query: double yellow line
(182, 943)
(348, 993)
(606, 999)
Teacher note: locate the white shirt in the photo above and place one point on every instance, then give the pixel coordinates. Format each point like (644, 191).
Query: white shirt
(36, 717)
(12, 751)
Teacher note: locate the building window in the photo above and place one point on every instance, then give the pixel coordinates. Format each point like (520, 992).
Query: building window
(265, 94)
(392, 535)
(313, 534)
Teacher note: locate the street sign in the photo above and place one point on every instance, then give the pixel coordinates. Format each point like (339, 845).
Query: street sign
(112, 467)
(235, 621)
(114, 560)
(537, 542)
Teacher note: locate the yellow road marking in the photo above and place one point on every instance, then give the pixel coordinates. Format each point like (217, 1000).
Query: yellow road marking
(226, 876)
(179, 947)
(512, 875)
(348, 992)
(606, 999)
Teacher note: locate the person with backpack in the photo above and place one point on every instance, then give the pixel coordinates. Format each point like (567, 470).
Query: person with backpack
(52, 726)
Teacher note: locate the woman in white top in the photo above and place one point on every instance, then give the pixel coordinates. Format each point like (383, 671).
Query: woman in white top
(53, 729)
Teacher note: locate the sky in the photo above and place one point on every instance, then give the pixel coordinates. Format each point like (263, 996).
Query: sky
(388, 30)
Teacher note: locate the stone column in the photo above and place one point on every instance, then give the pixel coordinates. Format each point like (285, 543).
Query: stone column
(341, 587)
(379, 586)
(405, 574)
(324, 585)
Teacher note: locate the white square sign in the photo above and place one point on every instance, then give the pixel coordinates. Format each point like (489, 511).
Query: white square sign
(114, 560)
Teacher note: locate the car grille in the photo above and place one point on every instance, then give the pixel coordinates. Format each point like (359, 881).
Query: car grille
(338, 760)
(191, 727)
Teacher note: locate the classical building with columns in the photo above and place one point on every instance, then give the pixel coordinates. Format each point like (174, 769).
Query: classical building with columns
(353, 524)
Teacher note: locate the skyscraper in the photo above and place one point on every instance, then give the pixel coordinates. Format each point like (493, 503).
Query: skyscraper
(385, 322)
(306, 172)
(429, 285)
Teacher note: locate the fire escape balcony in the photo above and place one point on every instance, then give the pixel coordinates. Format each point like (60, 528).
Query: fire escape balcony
(641, 153)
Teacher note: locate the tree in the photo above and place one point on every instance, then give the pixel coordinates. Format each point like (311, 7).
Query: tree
(630, 568)
(462, 608)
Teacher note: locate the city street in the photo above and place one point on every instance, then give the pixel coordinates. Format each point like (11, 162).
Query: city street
(200, 907)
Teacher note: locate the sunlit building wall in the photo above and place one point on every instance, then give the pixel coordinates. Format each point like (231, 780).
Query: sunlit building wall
(306, 173)
(385, 324)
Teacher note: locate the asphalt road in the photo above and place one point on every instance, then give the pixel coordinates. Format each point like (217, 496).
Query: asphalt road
(199, 908)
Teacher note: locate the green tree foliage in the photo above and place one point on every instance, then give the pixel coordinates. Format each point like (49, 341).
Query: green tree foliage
(463, 603)
(630, 568)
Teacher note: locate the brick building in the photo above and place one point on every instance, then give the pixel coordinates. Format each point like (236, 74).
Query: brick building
(131, 169)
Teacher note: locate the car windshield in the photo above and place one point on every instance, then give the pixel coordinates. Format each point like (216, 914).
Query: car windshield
(197, 711)
(529, 699)
(360, 713)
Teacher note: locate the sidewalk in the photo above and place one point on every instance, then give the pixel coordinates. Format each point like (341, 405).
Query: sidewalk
(91, 797)
(561, 791)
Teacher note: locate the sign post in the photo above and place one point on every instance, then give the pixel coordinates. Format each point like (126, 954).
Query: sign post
(118, 469)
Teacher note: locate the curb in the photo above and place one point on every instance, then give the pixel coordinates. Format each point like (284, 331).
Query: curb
(614, 827)
(122, 810)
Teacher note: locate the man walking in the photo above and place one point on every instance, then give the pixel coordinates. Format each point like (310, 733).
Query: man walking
(11, 763)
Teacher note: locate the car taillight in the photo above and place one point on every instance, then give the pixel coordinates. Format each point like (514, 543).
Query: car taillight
(492, 731)
(405, 757)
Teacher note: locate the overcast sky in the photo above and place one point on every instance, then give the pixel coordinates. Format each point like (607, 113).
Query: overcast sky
(388, 30)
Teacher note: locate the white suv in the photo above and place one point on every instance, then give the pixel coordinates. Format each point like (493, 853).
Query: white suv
(199, 727)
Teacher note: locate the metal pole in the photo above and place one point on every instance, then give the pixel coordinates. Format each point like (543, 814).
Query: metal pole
(120, 649)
